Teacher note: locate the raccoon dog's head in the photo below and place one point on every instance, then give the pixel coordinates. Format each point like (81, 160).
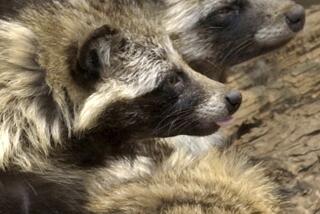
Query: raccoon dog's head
(226, 32)
(139, 87)
(83, 74)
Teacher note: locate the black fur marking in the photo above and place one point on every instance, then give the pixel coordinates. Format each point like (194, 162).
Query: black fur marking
(27, 193)
(94, 151)
(86, 69)
(11, 8)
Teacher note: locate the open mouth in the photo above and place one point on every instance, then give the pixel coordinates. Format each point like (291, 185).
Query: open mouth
(208, 127)
(203, 127)
(225, 121)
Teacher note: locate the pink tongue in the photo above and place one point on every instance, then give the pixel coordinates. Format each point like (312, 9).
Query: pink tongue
(225, 121)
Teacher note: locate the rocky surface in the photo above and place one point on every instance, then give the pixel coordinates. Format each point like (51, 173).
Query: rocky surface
(279, 123)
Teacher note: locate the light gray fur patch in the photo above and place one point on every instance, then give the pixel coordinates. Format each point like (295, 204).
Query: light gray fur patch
(198, 146)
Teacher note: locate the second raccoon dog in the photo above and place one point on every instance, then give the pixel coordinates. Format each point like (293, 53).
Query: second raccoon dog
(213, 35)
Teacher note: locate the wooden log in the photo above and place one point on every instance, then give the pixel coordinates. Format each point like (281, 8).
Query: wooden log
(280, 119)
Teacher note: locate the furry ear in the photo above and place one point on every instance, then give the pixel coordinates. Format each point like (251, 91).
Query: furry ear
(93, 54)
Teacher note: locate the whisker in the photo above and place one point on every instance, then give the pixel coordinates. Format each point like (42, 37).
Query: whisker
(236, 52)
(182, 124)
(178, 114)
(232, 50)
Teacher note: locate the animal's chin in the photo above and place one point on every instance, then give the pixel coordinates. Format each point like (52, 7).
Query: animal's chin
(195, 130)
(270, 45)
(203, 128)
(256, 50)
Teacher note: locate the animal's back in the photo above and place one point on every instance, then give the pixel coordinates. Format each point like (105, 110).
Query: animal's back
(216, 183)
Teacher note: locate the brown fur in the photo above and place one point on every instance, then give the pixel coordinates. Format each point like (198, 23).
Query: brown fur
(216, 183)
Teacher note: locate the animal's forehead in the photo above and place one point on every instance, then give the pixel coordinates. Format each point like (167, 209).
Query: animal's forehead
(183, 15)
(203, 5)
(159, 46)
(143, 59)
(215, 3)
(146, 75)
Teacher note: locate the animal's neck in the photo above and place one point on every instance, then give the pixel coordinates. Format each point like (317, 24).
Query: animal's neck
(212, 70)
(96, 151)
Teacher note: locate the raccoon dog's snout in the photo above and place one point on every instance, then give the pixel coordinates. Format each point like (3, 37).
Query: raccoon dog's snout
(295, 17)
(233, 100)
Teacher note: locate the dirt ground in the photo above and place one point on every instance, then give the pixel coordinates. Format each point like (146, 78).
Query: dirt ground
(279, 122)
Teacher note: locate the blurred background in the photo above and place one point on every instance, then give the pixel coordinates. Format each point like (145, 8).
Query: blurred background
(308, 2)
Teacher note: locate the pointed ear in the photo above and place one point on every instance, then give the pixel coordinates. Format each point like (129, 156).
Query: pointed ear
(93, 54)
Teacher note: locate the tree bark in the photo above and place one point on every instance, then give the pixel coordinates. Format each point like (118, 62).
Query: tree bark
(279, 121)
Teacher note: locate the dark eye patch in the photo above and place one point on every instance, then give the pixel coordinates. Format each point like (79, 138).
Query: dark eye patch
(123, 45)
(173, 84)
(223, 17)
(224, 11)
(174, 80)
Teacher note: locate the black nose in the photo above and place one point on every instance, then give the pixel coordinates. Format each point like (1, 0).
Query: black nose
(296, 17)
(234, 100)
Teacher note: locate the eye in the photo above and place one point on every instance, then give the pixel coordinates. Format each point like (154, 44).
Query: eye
(123, 45)
(228, 11)
(223, 17)
(174, 80)
(174, 83)
(225, 11)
